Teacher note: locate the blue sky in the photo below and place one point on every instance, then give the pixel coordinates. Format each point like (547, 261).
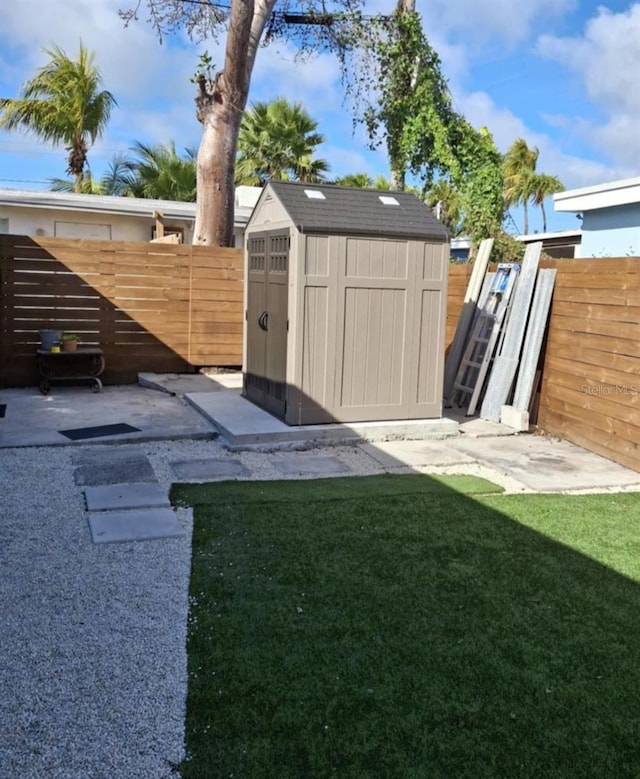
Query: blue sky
(563, 74)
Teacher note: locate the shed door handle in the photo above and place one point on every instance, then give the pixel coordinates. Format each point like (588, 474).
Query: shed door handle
(263, 321)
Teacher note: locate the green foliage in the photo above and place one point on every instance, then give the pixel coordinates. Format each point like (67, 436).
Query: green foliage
(506, 248)
(278, 141)
(359, 180)
(413, 114)
(413, 109)
(160, 172)
(63, 105)
(115, 181)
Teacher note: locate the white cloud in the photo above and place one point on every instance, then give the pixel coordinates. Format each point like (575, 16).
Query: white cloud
(605, 59)
(503, 19)
(505, 127)
(313, 81)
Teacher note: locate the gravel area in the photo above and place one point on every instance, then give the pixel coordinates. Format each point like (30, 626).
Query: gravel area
(93, 671)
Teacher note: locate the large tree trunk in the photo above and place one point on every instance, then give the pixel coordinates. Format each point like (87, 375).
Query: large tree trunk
(220, 104)
(215, 173)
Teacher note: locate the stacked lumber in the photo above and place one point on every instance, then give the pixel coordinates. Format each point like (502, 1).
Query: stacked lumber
(507, 373)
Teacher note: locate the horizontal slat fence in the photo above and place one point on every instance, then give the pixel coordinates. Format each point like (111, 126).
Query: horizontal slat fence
(590, 393)
(150, 306)
(591, 378)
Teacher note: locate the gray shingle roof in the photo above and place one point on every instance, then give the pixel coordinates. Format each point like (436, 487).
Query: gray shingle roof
(350, 211)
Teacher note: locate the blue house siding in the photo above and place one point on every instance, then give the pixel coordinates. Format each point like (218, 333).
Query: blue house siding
(611, 232)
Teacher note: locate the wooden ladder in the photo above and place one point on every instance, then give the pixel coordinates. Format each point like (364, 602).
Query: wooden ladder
(485, 334)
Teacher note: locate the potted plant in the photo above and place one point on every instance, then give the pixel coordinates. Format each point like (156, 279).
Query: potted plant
(69, 342)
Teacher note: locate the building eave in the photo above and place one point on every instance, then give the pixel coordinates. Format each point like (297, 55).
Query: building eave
(107, 204)
(609, 195)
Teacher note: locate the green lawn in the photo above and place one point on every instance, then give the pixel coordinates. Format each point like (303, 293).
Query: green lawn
(407, 626)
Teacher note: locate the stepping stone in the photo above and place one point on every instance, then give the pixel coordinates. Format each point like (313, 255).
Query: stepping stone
(209, 468)
(310, 465)
(109, 527)
(126, 496)
(98, 454)
(118, 471)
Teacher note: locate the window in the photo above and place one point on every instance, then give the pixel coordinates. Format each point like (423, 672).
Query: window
(314, 194)
(388, 200)
(4, 226)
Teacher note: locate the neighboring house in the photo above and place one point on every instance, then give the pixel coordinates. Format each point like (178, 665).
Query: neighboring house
(562, 244)
(610, 217)
(107, 218)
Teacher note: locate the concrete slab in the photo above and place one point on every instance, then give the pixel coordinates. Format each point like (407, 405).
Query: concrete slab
(119, 471)
(545, 464)
(126, 496)
(181, 383)
(33, 419)
(209, 468)
(108, 527)
(312, 464)
(243, 424)
(415, 454)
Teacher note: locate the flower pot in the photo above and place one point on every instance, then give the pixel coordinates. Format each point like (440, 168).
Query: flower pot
(48, 338)
(70, 345)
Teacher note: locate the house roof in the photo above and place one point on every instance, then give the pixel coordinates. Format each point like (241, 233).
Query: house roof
(611, 194)
(325, 208)
(108, 204)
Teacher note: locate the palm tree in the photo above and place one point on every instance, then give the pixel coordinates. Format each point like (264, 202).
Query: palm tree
(359, 180)
(518, 168)
(63, 104)
(523, 184)
(160, 172)
(117, 180)
(542, 186)
(278, 141)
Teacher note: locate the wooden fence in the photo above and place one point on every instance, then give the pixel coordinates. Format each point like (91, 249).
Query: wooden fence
(150, 306)
(590, 391)
(591, 377)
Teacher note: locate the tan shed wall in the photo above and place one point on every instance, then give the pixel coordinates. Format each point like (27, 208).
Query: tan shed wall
(371, 345)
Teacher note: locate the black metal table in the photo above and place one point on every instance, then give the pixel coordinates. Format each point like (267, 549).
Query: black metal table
(85, 363)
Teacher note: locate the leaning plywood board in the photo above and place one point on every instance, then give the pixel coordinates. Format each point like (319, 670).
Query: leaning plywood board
(506, 363)
(517, 414)
(465, 319)
(533, 341)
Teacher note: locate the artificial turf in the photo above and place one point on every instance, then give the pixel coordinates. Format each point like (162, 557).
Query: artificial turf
(408, 626)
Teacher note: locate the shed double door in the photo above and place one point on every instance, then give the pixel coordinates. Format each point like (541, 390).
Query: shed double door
(267, 313)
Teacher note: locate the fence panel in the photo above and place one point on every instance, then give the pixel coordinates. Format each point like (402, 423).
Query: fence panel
(151, 307)
(591, 379)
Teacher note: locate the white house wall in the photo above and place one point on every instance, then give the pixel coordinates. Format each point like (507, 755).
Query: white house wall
(68, 223)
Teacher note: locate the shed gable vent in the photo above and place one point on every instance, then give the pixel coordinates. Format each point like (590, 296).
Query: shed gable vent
(388, 200)
(314, 194)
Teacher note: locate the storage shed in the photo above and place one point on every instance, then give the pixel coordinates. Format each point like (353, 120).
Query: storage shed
(345, 297)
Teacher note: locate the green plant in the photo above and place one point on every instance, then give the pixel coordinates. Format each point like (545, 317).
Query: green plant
(69, 337)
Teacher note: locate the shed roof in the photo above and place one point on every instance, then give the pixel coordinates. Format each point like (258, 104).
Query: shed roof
(325, 208)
